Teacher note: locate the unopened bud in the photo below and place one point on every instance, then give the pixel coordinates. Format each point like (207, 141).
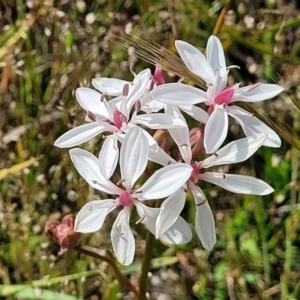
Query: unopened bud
(196, 140)
(162, 138)
(158, 78)
(63, 232)
(50, 226)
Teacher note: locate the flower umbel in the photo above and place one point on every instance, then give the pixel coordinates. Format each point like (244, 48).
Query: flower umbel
(133, 160)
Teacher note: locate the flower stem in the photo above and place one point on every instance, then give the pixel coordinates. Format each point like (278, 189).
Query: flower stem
(143, 280)
(125, 282)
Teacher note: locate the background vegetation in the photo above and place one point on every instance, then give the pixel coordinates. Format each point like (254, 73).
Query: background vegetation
(47, 50)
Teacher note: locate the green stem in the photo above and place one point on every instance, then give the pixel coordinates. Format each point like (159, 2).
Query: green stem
(125, 282)
(143, 280)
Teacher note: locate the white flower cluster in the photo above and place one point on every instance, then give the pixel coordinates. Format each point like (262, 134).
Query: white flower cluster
(148, 102)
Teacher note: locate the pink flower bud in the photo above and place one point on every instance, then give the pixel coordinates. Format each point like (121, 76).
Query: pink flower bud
(63, 232)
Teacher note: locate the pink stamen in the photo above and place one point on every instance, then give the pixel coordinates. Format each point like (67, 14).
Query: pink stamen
(91, 116)
(118, 118)
(225, 96)
(137, 105)
(253, 86)
(195, 172)
(125, 199)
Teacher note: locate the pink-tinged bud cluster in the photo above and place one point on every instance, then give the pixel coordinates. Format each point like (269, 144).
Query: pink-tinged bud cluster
(63, 232)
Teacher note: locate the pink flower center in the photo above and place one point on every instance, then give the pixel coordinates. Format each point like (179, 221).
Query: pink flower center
(224, 97)
(118, 118)
(125, 199)
(195, 172)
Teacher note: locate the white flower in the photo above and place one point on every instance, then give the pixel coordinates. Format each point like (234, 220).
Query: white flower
(114, 116)
(133, 160)
(234, 152)
(218, 97)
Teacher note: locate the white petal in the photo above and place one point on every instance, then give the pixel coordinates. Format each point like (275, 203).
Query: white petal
(215, 55)
(215, 130)
(240, 184)
(252, 125)
(122, 238)
(236, 151)
(165, 182)
(161, 157)
(236, 110)
(80, 134)
(205, 225)
(148, 215)
(158, 121)
(109, 86)
(181, 136)
(109, 156)
(178, 94)
(137, 89)
(90, 100)
(195, 61)
(196, 113)
(170, 210)
(179, 233)
(259, 93)
(92, 215)
(198, 194)
(204, 221)
(87, 166)
(134, 155)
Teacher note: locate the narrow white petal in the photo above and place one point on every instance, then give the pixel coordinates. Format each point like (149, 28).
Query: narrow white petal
(134, 155)
(170, 210)
(215, 55)
(252, 125)
(181, 136)
(109, 86)
(198, 194)
(195, 61)
(240, 184)
(204, 221)
(236, 110)
(215, 130)
(148, 215)
(80, 134)
(137, 88)
(109, 156)
(122, 238)
(92, 215)
(165, 182)
(236, 151)
(205, 225)
(179, 233)
(158, 121)
(87, 166)
(161, 157)
(196, 113)
(259, 93)
(91, 101)
(151, 141)
(178, 94)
